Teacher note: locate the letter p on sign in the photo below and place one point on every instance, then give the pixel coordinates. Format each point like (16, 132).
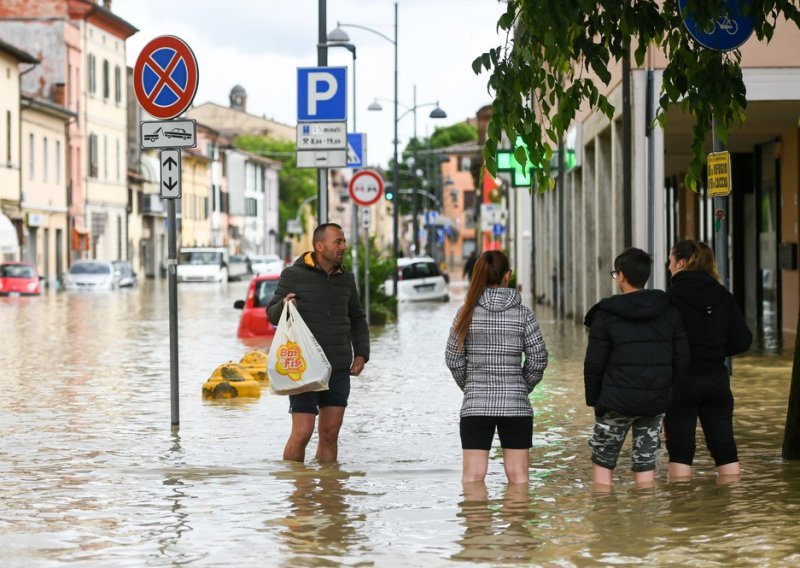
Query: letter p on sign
(316, 92)
(322, 94)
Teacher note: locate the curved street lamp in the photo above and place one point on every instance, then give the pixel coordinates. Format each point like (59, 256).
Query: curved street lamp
(340, 36)
(436, 113)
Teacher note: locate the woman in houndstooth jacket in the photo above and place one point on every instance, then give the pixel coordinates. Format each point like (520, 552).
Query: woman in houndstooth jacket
(490, 334)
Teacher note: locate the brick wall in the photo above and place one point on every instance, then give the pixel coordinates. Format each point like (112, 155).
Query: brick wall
(34, 8)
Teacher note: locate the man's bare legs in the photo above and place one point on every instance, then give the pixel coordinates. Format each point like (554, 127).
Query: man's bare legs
(330, 422)
(302, 429)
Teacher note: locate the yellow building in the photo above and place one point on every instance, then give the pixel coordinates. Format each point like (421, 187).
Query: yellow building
(195, 223)
(10, 211)
(104, 124)
(44, 186)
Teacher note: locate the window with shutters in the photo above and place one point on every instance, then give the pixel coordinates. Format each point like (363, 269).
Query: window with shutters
(93, 158)
(106, 80)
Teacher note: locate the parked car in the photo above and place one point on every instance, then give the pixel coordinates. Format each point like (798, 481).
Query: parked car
(238, 267)
(124, 273)
(90, 275)
(19, 279)
(418, 278)
(254, 322)
(266, 264)
(203, 264)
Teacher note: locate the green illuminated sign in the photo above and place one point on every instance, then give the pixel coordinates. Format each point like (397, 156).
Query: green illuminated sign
(507, 162)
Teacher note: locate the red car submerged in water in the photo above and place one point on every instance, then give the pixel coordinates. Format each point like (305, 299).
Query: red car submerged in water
(19, 279)
(254, 322)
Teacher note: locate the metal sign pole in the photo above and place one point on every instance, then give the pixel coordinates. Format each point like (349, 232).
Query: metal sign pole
(366, 272)
(172, 268)
(168, 135)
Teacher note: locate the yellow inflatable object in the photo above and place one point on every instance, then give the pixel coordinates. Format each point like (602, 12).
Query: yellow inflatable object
(255, 363)
(231, 381)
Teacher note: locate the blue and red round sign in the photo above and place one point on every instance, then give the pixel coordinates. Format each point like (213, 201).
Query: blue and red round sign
(165, 77)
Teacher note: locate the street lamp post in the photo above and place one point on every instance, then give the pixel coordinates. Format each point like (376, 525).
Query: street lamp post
(338, 35)
(435, 113)
(338, 41)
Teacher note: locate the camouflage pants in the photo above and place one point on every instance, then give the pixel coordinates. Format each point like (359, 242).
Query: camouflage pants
(609, 435)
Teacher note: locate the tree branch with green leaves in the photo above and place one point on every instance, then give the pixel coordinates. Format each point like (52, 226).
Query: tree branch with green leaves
(556, 60)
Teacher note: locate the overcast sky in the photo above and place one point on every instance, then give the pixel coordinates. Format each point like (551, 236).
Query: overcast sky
(259, 44)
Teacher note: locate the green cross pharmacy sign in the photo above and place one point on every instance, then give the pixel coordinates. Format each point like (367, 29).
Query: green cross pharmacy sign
(521, 176)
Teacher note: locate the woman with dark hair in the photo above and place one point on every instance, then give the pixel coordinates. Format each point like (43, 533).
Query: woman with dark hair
(716, 330)
(490, 334)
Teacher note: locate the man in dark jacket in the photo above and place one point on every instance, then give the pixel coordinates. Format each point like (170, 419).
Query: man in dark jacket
(637, 346)
(327, 299)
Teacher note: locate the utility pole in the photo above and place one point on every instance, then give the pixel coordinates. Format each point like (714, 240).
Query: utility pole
(322, 61)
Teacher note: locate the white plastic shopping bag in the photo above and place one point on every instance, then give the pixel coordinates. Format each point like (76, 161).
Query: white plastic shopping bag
(296, 362)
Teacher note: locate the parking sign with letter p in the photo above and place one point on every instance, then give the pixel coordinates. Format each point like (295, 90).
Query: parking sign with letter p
(321, 94)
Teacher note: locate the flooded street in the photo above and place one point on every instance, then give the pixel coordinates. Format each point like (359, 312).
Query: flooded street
(91, 474)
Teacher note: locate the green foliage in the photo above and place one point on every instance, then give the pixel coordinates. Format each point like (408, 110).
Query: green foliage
(381, 268)
(453, 134)
(553, 65)
(296, 184)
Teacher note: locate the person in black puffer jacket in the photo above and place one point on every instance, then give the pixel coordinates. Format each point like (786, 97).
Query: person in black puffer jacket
(716, 330)
(637, 348)
(327, 299)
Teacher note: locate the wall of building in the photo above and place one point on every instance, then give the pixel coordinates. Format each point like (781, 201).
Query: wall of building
(195, 222)
(9, 127)
(104, 125)
(44, 190)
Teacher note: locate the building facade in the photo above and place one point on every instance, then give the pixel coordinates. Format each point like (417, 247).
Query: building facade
(11, 219)
(578, 228)
(44, 187)
(81, 46)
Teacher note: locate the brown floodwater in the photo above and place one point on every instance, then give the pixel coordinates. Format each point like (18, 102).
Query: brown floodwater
(91, 474)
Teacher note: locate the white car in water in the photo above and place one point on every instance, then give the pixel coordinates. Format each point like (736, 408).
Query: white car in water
(267, 264)
(90, 275)
(418, 279)
(203, 264)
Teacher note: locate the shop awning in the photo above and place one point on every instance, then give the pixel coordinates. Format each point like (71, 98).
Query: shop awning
(80, 239)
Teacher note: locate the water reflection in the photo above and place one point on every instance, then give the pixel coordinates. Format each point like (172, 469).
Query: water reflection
(320, 521)
(499, 531)
(90, 474)
(171, 530)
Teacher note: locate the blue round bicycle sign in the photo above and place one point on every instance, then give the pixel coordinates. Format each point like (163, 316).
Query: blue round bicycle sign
(730, 30)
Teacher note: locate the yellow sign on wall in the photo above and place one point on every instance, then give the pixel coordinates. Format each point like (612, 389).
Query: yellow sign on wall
(719, 173)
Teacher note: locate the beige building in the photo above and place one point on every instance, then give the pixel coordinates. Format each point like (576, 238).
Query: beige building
(44, 186)
(194, 220)
(104, 124)
(10, 162)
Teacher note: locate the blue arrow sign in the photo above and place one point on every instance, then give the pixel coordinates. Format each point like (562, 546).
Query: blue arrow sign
(498, 229)
(725, 33)
(322, 94)
(356, 150)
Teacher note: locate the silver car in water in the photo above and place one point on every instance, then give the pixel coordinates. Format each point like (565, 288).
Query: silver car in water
(91, 276)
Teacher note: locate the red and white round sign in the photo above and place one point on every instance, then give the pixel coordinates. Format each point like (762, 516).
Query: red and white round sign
(366, 187)
(165, 77)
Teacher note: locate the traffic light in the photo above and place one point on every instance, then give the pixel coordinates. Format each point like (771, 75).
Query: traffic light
(388, 192)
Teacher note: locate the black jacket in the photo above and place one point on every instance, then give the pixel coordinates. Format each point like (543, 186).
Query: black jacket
(713, 321)
(637, 348)
(330, 308)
